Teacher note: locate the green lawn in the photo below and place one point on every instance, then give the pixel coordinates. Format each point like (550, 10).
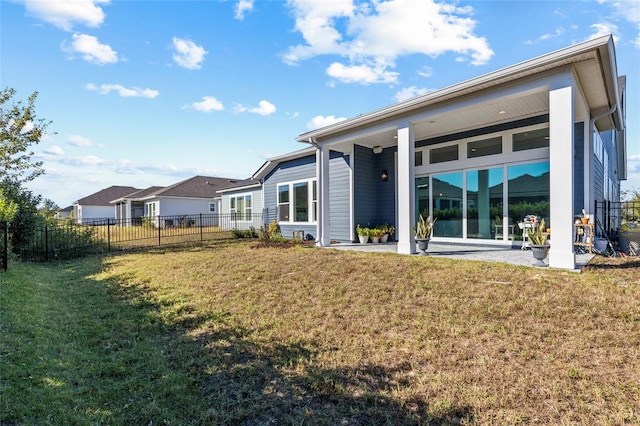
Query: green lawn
(232, 333)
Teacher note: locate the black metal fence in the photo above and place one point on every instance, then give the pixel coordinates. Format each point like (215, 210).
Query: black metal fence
(66, 240)
(4, 245)
(620, 223)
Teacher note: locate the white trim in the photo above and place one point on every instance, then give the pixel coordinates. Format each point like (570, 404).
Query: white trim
(244, 213)
(290, 185)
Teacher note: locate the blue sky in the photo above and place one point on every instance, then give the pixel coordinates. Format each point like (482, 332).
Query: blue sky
(146, 93)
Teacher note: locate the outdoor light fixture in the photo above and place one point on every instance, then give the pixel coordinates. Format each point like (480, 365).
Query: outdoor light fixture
(384, 175)
(377, 149)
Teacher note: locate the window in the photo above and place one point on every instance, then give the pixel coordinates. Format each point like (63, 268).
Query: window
(418, 158)
(298, 202)
(484, 147)
(151, 209)
(240, 207)
(212, 207)
(283, 203)
(531, 139)
(440, 155)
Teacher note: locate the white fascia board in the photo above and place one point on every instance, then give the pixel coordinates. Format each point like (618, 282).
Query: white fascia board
(239, 188)
(542, 63)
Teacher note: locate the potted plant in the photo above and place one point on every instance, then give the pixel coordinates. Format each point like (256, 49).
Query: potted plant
(363, 234)
(538, 240)
(388, 230)
(423, 232)
(376, 234)
(585, 217)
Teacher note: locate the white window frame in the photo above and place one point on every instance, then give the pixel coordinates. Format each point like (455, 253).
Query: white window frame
(247, 214)
(212, 207)
(312, 200)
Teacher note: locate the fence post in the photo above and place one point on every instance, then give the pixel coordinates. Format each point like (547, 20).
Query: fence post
(109, 237)
(46, 243)
(200, 226)
(5, 245)
(159, 231)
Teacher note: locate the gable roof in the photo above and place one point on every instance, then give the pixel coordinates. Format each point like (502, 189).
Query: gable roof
(141, 193)
(273, 162)
(195, 187)
(104, 197)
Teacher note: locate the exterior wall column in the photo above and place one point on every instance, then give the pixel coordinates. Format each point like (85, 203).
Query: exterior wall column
(406, 189)
(322, 175)
(561, 254)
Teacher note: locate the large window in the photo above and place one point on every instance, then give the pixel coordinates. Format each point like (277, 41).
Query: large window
(447, 205)
(484, 147)
(441, 155)
(298, 202)
(240, 207)
(531, 139)
(484, 204)
(529, 191)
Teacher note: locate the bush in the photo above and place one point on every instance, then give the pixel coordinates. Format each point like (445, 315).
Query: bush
(247, 233)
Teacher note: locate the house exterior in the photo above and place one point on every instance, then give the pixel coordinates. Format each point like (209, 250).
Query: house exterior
(191, 197)
(63, 214)
(130, 208)
(289, 190)
(544, 137)
(98, 207)
(241, 205)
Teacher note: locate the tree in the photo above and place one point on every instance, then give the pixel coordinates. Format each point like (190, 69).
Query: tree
(19, 130)
(48, 208)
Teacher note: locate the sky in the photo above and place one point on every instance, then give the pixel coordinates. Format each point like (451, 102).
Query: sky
(143, 93)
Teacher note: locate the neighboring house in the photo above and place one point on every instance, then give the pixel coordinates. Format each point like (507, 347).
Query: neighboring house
(241, 205)
(190, 197)
(130, 208)
(63, 214)
(543, 137)
(96, 207)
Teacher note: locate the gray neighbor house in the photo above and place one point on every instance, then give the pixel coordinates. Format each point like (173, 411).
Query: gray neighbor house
(544, 137)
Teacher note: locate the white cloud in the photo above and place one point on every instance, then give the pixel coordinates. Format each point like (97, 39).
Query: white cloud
(77, 140)
(91, 49)
(54, 150)
(363, 74)
(208, 104)
(188, 54)
(374, 35)
(65, 13)
(89, 160)
(322, 121)
(264, 108)
(425, 72)
(410, 92)
(105, 89)
(605, 28)
(242, 7)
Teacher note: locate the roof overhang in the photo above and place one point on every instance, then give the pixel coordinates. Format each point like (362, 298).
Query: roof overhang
(239, 188)
(592, 63)
(273, 162)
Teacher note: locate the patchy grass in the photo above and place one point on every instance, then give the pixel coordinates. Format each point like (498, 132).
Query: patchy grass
(233, 333)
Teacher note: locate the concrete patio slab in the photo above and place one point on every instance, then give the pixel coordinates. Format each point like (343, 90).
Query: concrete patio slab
(513, 256)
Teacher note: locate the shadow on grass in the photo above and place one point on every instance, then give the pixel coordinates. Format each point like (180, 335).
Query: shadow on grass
(248, 381)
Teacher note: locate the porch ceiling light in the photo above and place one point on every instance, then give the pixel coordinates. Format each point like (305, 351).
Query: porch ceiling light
(377, 149)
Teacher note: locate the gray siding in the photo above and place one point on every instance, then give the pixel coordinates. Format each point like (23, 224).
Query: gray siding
(339, 200)
(374, 199)
(340, 197)
(364, 192)
(288, 171)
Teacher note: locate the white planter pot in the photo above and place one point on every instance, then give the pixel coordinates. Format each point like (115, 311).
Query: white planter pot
(364, 239)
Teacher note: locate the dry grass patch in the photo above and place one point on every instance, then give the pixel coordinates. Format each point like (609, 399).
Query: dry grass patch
(240, 334)
(310, 334)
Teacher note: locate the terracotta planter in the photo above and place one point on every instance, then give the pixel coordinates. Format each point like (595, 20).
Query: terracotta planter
(584, 220)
